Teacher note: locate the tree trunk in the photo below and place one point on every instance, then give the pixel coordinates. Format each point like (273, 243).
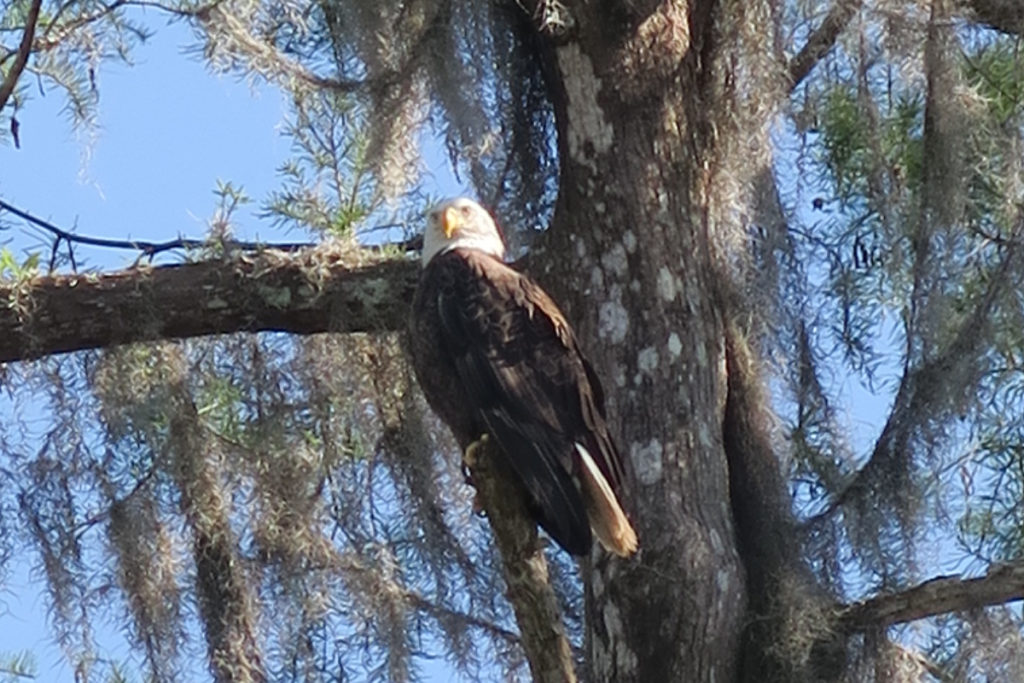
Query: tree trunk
(639, 100)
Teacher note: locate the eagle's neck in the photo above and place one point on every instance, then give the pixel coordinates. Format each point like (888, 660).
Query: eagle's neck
(488, 244)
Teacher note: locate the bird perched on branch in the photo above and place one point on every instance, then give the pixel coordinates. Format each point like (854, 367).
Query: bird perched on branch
(496, 359)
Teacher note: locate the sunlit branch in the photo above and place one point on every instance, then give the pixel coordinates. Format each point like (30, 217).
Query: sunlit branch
(21, 58)
(57, 31)
(530, 592)
(304, 292)
(257, 49)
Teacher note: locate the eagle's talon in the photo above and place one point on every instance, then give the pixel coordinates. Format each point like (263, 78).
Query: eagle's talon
(469, 458)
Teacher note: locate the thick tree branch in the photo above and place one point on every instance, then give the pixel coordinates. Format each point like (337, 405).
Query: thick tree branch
(314, 290)
(525, 568)
(822, 40)
(1003, 583)
(21, 59)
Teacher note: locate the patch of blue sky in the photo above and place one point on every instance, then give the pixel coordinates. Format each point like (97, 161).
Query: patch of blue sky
(167, 131)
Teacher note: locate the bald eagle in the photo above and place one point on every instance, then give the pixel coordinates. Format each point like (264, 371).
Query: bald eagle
(496, 359)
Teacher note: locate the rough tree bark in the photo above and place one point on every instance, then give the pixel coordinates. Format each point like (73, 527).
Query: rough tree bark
(630, 254)
(528, 588)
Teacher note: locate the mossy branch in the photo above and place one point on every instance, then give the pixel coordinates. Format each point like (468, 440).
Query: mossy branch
(309, 291)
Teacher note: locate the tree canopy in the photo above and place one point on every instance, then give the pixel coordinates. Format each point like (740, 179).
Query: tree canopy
(752, 212)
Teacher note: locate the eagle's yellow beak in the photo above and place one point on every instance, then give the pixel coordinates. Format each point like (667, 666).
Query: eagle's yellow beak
(451, 221)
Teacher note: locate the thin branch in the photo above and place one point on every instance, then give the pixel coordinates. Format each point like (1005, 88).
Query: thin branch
(143, 246)
(441, 612)
(5, 671)
(151, 249)
(822, 40)
(24, 48)
(56, 32)
(1002, 584)
(256, 49)
(352, 563)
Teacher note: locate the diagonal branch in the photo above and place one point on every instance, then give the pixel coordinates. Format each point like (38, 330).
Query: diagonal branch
(354, 564)
(822, 40)
(1003, 583)
(21, 58)
(529, 589)
(439, 612)
(309, 291)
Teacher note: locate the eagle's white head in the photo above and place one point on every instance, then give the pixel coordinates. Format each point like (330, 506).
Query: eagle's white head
(462, 223)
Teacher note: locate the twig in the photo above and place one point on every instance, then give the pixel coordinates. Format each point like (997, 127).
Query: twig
(24, 48)
(6, 671)
(440, 612)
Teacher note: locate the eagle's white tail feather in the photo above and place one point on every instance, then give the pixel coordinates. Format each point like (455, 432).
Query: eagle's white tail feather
(607, 518)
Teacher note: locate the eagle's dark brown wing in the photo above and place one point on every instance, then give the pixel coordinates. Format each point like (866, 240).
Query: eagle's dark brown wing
(522, 372)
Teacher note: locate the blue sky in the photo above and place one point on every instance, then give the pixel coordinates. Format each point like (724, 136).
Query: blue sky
(167, 131)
